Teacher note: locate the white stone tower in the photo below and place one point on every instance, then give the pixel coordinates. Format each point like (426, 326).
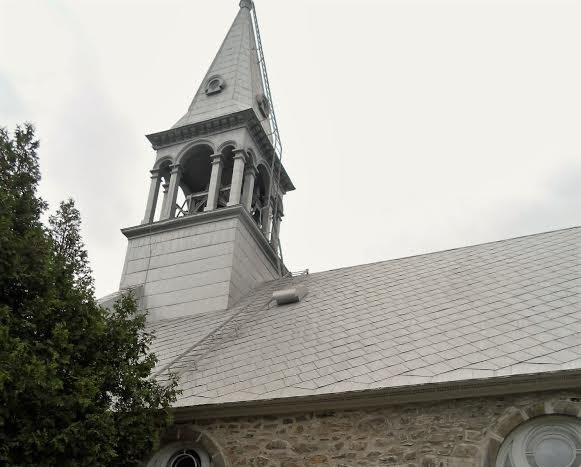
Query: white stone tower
(214, 234)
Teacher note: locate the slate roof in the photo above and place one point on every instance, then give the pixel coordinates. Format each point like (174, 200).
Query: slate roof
(498, 309)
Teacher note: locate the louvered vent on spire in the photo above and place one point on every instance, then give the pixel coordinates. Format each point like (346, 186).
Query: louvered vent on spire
(233, 82)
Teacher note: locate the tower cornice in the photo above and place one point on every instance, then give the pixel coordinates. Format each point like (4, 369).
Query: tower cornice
(231, 212)
(239, 119)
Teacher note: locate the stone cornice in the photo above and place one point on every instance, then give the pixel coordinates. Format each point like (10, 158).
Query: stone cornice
(569, 379)
(231, 212)
(245, 118)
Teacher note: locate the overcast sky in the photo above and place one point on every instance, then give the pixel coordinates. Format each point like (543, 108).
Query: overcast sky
(408, 126)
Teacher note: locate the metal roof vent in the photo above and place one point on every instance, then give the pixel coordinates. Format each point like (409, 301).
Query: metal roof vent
(290, 295)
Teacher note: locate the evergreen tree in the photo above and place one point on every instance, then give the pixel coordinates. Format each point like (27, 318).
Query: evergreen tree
(75, 385)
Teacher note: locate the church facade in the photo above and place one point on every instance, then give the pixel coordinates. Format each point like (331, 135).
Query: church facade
(462, 358)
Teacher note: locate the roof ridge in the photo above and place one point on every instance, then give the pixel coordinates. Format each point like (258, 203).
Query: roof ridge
(538, 234)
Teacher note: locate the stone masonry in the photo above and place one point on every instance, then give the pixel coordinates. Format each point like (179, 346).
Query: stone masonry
(450, 433)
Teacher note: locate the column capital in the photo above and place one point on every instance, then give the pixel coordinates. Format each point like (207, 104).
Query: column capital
(250, 170)
(240, 154)
(175, 168)
(154, 173)
(216, 158)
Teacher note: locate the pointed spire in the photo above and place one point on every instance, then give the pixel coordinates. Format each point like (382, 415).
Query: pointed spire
(234, 81)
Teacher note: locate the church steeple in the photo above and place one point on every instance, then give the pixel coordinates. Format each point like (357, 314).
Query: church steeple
(215, 232)
(233, 81)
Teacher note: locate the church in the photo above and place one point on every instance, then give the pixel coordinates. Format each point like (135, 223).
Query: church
(462, 358)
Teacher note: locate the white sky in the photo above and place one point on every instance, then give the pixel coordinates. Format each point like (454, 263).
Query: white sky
(409, 126)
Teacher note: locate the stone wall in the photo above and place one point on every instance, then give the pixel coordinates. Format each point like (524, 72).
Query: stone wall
(453, 433)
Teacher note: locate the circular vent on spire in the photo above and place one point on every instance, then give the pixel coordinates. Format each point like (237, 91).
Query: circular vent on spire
(214, 85)
(263, 105)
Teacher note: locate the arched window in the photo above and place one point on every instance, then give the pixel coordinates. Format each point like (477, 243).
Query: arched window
(203, 452)
(181, 454)
(195, 179)
(214, 85)
(186, 458)
(547, 441)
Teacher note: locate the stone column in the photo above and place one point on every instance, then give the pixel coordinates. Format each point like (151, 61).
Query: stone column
(152, 197)
(172, 193)
(165, 187)
(237, 174)
(215, 178)
(275, 237)
(248, 188)
(265, 219)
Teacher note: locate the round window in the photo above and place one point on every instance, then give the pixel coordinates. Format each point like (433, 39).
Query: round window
(550, 441)
(214, 85)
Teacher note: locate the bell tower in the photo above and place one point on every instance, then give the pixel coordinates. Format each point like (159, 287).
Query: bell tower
(212, 219)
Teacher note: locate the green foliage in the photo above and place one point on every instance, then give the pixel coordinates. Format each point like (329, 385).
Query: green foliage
(75, 385)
